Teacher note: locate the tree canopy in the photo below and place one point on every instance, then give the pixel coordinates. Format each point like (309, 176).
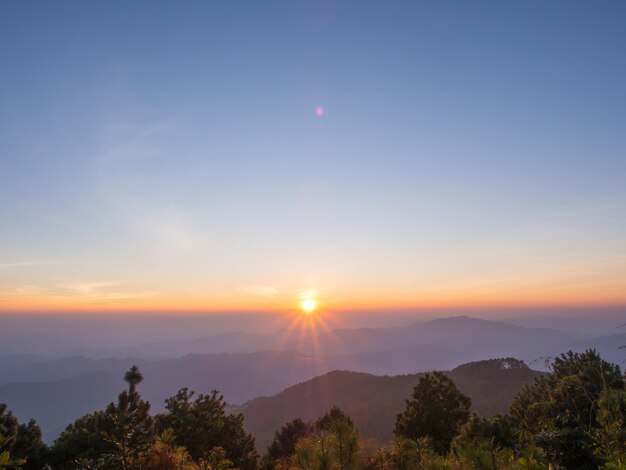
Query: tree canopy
(202, 424)
(437, 410)
(562, 411)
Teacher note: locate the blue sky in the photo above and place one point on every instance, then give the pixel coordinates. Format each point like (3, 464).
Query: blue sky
(168, 154)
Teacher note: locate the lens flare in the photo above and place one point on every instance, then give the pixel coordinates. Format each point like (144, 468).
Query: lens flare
(319, 111)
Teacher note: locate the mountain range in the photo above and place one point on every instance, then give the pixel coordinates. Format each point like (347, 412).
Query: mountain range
(244, 366)
(374, 401)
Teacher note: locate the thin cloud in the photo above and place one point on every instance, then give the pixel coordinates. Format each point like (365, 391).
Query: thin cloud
(22, 264)
(101, 291)
(261, 291)
(82, 292)
(165, 228)
(85, 288)
(133, 142)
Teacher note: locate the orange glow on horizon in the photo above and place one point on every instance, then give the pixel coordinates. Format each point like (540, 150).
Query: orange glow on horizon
(198, 304)
(533, 288)
(457, 294)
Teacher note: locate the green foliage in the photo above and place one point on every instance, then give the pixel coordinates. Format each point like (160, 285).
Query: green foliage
(8, 427)
(23, 441)
(498, 429)
(123, 435)
(113, 438)
(216, 460)
(333, 444)
(6, 462)
(485, 443)
(344, 440)
(284, 443)
(560, 411)
(482, 455)
(82, 440)
(415, 454)
(611, 435)
(127, 442)
(437, 410)
(332, 418)
(531, 458)
(29, 445)
(613, 466)
(164, 454)
(202, 424)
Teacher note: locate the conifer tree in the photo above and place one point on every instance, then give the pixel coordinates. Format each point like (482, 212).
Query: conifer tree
(437, 410)
(202, 424)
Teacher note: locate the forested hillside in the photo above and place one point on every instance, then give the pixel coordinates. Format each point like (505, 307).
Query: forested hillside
(374, 401)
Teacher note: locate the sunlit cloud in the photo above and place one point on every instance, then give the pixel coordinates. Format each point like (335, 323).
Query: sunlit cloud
(85, 288)
(24, 290)
(100, 291)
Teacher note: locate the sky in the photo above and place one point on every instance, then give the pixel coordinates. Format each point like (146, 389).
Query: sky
(233, 155)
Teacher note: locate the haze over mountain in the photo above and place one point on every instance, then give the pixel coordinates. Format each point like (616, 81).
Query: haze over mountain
(246, 365)
(241, 377)
(158, 336)
(59, 391)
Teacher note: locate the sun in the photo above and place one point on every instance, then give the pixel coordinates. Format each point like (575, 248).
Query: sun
(308, 305)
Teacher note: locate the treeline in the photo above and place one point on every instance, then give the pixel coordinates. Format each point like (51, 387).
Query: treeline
(195, 433)
(571, 418)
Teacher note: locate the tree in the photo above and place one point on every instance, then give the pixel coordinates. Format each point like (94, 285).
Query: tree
(22, 441)
(132, 426)
(6, 461)
(29, 445)
(284, 443)
(560, 411)
(331, 418)
(164, 454)
(129, 439)
(202, 424)
(498, 430)
(437, 410)
(485, 443)
(332, 444)
(611, 435)
(133, 377)
(345, 438)
(113, 438)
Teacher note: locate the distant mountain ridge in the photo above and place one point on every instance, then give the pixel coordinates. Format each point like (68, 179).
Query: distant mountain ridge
(475, 337)
(440, 344)
(374, 401)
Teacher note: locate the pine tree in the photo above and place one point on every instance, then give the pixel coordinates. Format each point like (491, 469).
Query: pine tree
(437, 410)
(202, 424)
